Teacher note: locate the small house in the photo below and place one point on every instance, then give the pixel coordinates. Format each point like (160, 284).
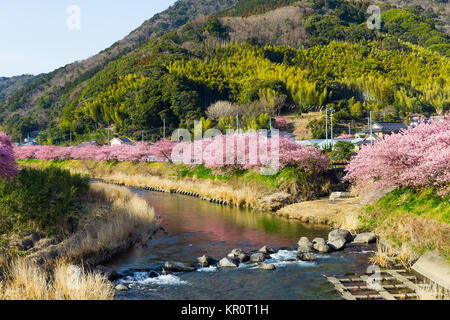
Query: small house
(122, 141)
(379, 129)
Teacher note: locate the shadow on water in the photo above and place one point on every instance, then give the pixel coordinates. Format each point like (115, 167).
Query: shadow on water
(193, 227)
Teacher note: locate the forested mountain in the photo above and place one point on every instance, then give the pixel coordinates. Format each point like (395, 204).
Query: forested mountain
(8, 86)
(263, 56)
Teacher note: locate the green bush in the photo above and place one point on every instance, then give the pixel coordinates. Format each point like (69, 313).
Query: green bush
(47, 200)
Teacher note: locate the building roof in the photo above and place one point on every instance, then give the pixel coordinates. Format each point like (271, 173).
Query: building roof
(387, 127)
(124, 140)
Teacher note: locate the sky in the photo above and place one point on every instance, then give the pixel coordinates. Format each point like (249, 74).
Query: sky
(41, 36)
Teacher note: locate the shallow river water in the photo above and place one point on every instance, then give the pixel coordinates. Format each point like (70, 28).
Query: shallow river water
(193, 227)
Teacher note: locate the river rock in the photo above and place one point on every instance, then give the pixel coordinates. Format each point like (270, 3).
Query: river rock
(228, 263)
(367, 237)
(109, 273)
(337, 244)
(121, 287)
(305, 245)
(205, 261)
(237, 252)
(267, 266)
(153, 274)
(178, 267)
(243, 257)
(320, 245)
(306, 256)
(340, 233)
(257, 257)
(267, 250)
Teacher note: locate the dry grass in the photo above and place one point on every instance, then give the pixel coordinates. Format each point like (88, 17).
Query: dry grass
(432, 291)
(125, 215)
(243, 196)
(25, 280)
(339, 213)
(383, 256)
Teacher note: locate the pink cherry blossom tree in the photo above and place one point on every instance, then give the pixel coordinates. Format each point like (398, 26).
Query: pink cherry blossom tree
(7, 162)
(417, 157)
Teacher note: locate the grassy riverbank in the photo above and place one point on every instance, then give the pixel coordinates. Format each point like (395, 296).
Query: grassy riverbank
(410, 222)
(418, 219)
(237, 187)
(51, 221)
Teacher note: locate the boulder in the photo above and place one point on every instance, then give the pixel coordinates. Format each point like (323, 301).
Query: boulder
(243, 257)
(367, 237)
(267, 250)
(205, 261)
(305, 245)
(228, 263)
(178, 267)
(340, 233)
(121, 287)
(109, 273)
(236, 252)
(337, 244)
(268, 266)
(306, 256)
(320, 245)
(257, 257)
(153, 274)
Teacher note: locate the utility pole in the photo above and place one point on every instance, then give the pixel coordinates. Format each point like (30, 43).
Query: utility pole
(164, 128)
(370, 124)
(237, 122)
(332, 138)
(349, 128)
(326, 125)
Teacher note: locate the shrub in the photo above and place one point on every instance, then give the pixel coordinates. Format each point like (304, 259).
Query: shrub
(46, 201)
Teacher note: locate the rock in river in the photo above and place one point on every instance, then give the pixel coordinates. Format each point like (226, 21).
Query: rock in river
(340, 233)
(178, 267)
(306, 256)
(267, 250)
(243, 257)
(320, 245)
(236, 252)
(367, 237)
(205, 261)
(228, 263)
(267, 266)
(121, 287)
(257, 257)
(337, 244)
(111, 274)
(305, 245)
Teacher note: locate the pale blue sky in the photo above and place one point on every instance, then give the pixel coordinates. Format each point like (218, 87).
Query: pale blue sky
(35, 38)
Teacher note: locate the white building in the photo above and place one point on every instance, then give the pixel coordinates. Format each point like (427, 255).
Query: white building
(121, 142)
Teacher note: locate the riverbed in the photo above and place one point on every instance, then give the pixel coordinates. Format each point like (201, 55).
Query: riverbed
(192, 228)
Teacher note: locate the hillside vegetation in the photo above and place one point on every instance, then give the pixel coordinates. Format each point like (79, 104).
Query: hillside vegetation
(268, 56)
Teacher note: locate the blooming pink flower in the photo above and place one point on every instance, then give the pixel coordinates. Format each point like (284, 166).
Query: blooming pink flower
(7, 163)
(416, 157)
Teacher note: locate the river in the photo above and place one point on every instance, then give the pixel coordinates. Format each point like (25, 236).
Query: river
(193, 227)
